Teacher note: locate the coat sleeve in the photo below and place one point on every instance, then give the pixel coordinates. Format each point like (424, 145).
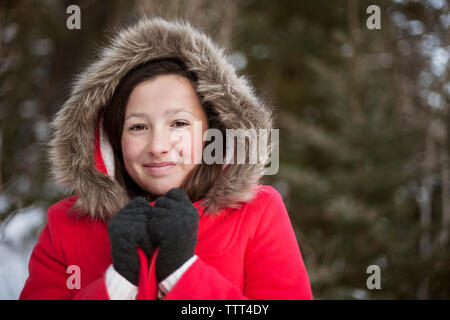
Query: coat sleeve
(274, 267)
(47, 279)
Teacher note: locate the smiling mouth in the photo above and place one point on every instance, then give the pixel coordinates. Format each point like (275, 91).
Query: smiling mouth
(159, 170)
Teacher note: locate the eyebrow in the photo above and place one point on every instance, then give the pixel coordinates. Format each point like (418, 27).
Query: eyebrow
(167, 112)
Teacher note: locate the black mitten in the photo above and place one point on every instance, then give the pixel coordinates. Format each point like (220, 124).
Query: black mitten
(173, 227)
(127, 231)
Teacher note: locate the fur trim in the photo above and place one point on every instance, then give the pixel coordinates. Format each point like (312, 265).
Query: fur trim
(75, 136)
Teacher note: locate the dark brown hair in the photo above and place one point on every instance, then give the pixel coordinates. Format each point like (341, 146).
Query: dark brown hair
(200, 180)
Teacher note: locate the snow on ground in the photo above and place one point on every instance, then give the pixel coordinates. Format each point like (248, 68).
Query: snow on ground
(18, 236)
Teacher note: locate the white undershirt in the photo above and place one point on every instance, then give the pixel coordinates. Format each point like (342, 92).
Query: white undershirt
(120, 288)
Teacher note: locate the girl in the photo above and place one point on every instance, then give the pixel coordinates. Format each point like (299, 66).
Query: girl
(126, 142)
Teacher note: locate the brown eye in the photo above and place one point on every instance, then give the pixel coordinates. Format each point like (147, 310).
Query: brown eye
(179, 124)
(135, 126)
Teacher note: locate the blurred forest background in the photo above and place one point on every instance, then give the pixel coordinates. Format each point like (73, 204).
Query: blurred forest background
(363, 114)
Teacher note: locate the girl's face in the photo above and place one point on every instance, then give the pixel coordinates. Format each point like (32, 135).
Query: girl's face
(158, 129)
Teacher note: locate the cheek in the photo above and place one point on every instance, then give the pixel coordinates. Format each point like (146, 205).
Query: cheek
(130, 150)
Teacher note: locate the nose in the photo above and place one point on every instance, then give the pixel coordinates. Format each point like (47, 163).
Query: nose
(159, 143)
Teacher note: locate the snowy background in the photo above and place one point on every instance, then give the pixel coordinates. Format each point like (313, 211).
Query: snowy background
(18, 235)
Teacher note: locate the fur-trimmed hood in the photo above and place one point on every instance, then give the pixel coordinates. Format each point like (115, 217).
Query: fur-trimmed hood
(80, 154)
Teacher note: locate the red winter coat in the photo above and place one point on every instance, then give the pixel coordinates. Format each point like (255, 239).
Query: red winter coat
(248, 253)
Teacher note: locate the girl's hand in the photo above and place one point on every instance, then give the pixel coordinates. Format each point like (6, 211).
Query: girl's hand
(127, 231)
(173, 227)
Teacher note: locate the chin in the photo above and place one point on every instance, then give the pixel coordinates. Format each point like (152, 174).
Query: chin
(161, 187)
